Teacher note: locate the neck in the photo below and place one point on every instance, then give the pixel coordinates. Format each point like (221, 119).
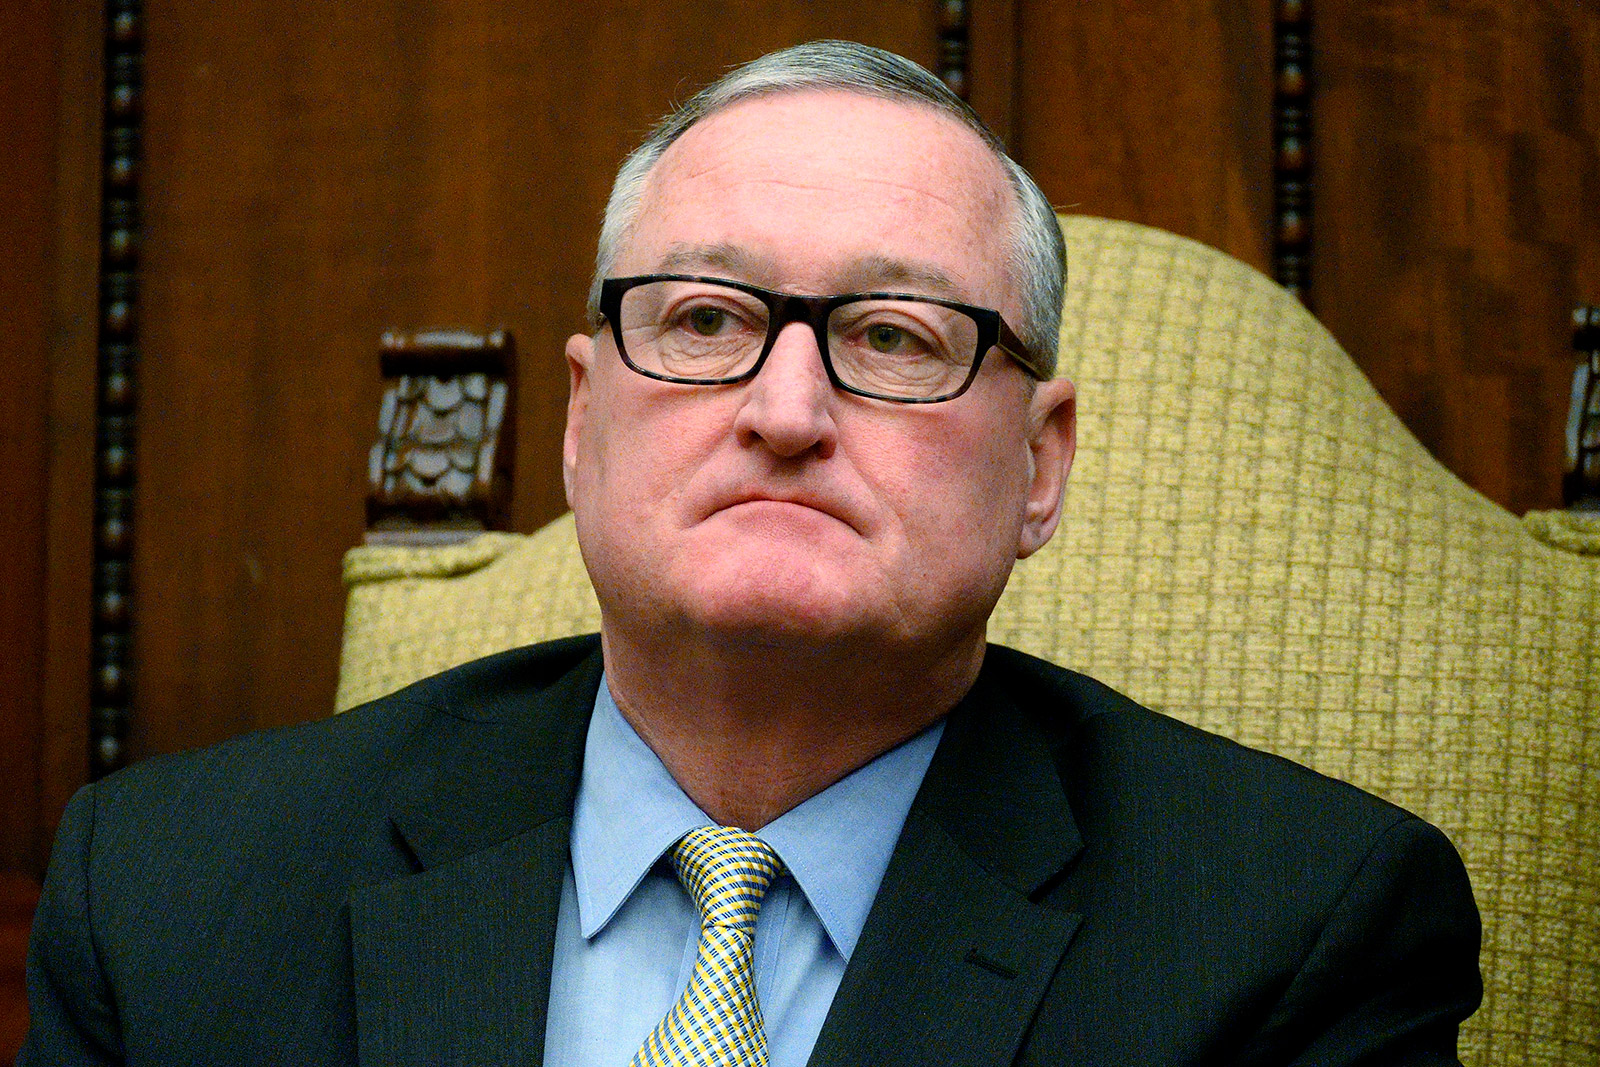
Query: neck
(751, 729)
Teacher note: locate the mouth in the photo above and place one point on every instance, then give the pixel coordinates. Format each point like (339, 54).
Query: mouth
(779, 500)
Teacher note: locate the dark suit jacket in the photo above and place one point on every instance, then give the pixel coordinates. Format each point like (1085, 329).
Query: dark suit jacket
(1080, 881)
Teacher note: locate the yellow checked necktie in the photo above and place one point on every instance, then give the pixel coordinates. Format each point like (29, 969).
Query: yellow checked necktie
(717, 1021)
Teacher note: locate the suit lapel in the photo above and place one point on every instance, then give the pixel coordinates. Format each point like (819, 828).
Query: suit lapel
(955, 956)
(452, 964)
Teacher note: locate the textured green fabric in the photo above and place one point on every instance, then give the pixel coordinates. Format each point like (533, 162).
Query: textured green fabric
(1253, 543)
(1573, 531)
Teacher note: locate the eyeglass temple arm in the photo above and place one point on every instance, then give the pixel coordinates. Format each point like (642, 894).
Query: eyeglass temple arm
(1012, 346)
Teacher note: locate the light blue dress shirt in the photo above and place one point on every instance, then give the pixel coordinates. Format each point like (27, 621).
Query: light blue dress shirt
(627, 931)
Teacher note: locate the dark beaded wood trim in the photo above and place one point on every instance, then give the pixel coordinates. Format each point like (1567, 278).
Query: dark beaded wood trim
(1580, 486)
(115, 403)
(1291, 141)
(955, 24)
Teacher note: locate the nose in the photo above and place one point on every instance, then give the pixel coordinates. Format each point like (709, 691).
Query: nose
(788, 406)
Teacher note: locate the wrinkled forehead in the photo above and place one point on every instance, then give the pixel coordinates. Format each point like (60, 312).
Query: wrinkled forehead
(832, 191)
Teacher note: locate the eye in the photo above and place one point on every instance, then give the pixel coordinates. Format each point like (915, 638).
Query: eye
(886, 338)
(706, 320)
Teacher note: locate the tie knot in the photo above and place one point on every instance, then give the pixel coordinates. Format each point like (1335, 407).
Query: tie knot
(727, 872)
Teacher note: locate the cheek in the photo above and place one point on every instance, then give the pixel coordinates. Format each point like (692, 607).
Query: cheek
(979, 458)
(595, 446)
(638, 451)
(956, 487)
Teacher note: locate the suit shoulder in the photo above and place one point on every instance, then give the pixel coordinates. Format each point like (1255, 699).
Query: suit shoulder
(334, 759)
(1102, 736)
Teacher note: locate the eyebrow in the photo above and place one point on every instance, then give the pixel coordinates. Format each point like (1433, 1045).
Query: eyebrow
(877, 271)
(863, 274)
(724, 257)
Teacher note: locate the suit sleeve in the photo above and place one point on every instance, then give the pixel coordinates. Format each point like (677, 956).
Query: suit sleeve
(1394, 970)
(72, 1016)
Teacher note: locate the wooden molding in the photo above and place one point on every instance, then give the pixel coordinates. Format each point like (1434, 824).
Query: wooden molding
(1291, 140)
(955, 23)
(117, 393)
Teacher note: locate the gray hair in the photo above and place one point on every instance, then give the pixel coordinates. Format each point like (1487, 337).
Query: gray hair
(1036, 258)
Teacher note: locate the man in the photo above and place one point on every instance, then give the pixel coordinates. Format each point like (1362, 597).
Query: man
(789, 808)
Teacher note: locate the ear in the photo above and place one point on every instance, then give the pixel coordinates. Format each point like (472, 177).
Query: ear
(580, 357)
(1052, 443)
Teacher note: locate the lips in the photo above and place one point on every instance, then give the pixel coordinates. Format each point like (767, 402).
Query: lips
(830, 506)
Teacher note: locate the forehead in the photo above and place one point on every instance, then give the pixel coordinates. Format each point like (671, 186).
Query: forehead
(828, 192)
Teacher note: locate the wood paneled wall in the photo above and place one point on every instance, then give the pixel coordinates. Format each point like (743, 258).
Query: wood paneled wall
(315, 174)
(1456, 191)
(49, 142)
(32, 259)
(27, 144)
(1159, 113)
(1458, 205)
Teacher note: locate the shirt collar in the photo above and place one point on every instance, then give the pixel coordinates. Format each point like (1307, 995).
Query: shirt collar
(836, 845)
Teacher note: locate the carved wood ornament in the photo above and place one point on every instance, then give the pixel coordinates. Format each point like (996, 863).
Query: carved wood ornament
(1580, 487)
(440, 470)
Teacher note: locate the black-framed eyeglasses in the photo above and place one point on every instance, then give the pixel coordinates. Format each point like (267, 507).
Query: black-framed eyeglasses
(888, 346)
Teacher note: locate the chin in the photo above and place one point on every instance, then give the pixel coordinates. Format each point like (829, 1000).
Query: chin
(783, 600)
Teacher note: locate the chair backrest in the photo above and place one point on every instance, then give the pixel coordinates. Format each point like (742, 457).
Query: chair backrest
(1254, 544)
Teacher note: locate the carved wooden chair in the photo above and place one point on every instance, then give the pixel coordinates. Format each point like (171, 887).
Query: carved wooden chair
(1255, 544)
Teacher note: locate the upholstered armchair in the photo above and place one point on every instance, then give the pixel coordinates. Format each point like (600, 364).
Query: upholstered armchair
(1255, 544)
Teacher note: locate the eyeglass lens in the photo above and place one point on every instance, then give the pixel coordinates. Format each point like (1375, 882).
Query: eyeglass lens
(701, 331)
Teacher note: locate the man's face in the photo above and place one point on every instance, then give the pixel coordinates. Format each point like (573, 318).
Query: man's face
(780, 510)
